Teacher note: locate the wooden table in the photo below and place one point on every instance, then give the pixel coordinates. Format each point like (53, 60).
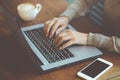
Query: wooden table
(17, 66)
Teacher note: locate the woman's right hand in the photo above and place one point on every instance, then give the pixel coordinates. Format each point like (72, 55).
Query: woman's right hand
(55, 26)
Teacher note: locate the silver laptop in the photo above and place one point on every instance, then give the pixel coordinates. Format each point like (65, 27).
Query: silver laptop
(48, 54)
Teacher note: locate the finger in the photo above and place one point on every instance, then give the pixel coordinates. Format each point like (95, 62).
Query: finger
(46, 27)
(63, 40)
(64, 32)
(60, 35)
(67, 44)
(54, 28)
(60, 29)
(49, 26)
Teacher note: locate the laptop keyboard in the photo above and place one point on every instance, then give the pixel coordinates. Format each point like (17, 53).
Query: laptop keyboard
(46, 46)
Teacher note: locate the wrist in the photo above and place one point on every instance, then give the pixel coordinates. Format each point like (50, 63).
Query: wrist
(65, 17)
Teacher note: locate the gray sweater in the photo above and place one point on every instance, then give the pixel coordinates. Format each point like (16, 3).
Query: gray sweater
(79, 8)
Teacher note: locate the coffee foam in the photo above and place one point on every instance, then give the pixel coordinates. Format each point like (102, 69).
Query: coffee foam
(26, 7)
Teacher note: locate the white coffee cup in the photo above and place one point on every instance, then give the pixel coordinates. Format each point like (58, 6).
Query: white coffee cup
(28, 11)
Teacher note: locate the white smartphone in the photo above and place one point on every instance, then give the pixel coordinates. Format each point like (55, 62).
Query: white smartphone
(95, 69)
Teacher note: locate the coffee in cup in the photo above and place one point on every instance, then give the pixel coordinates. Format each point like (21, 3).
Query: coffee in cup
(28, 11)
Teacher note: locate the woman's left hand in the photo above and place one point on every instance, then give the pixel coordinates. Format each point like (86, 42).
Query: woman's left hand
(69, 37)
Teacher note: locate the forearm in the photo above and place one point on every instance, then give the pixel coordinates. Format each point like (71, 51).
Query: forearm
(77, 8)
(101, 41)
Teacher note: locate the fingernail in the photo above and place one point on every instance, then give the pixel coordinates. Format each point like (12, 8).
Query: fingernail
(46, 35)
(60, 48)
(56, 32)
(50, 36)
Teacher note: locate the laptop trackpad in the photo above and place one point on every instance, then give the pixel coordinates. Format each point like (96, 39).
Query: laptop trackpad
(84, 51)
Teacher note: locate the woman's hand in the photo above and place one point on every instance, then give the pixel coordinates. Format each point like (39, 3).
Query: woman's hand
(55, 26)
(69, 37)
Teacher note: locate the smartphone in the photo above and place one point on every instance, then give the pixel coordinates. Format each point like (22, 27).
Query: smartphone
(95, 69)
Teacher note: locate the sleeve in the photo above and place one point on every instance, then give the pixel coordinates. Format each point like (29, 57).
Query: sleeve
(77, 8)
(110, 43)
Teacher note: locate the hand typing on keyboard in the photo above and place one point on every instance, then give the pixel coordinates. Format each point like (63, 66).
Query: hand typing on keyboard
(46, 46)
(64, 38)
(55, 25)
(69, 37)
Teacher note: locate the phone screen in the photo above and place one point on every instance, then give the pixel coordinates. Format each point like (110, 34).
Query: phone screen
(95, 68)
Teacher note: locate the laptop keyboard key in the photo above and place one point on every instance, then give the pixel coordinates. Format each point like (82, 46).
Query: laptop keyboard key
(46, 46)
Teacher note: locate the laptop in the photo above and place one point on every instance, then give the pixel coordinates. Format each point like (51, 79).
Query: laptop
(46, 54)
